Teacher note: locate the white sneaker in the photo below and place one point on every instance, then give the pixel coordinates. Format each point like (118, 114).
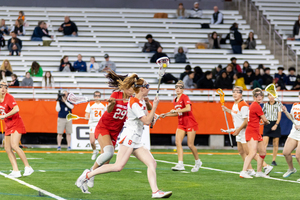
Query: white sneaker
(261, 174)
(178, 167)
(268, 169)
(161, 194)
(15, 174)
(82, 178)
(28, 171)
(84, 188)
(196, 167)
(289, 172)
(90, 182)
(251, 172)
(244, 174)
(95, 153)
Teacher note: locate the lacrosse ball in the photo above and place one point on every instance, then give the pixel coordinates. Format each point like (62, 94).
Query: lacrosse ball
(164, 65)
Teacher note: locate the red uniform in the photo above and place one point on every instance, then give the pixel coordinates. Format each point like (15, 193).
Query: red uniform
(112, 123)
(186, 120)
(14, 122)
(252, 130)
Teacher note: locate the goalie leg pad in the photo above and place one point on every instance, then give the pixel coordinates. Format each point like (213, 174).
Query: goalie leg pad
(108, 153)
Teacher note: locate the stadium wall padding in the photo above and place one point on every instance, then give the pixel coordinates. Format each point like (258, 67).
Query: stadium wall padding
(41, 117)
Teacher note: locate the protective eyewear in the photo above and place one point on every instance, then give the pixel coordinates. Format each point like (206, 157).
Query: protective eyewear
(179, 86)
(98, 95)
(147, 86)
(237, 91)
(5, 86)
(258, 94)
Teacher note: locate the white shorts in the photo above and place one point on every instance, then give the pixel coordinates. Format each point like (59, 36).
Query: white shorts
(92, 127)
(241, 137)
(131, 138)
(294, 134)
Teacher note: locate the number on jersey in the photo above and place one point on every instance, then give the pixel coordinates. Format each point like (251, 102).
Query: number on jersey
(120, 114)
(297, 116)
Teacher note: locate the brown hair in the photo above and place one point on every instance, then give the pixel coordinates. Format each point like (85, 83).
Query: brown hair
(256, 90)
(62, 60)
(35, 67)
(130, 81)
(183, 10)
(45, 77)
(114, 78)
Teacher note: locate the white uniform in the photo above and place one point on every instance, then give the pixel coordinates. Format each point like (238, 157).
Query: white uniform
(239, 112)
(95, 111)
(131, 135)
(295, 112)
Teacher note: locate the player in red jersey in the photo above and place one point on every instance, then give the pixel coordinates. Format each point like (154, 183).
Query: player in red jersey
(253, 137)
(14, 128)
(186, 125)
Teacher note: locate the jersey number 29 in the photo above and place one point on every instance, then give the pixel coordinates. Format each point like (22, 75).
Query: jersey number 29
(120, 114)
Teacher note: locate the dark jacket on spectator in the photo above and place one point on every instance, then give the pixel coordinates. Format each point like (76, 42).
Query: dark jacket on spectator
(281, 77)
(257, 77)
(250, 44)
(62, 65)
(7, 73)
(38, 32)
(157, 56)
(267, 79)
(296, 28)
(18, 29)
(296, 85)
(152, 46)
(16, 83)
(19, 42)
(180, 58)
(235, 37)
(204, 83)
(223, 83)
(248, 79)
(80, 66)
(69, 27)
(290, 80)
(169, 78)
(182, 75)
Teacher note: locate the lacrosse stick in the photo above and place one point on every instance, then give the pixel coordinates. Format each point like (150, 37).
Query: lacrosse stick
(77, 99)
(228, 131)
(163, 63)
(2, 134)
(71, 116)
(157, 117)
(271, 89)
(221, 93)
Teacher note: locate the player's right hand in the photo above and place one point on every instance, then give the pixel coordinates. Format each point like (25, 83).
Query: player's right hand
(283, 108)
(156, 101)
(111, 100)
(162, 115)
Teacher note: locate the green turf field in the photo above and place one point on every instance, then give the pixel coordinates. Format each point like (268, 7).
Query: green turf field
(62, 169)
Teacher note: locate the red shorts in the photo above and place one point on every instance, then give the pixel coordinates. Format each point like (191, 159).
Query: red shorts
(187, 129)
(17, 126)
(253, 134)
(104, 130)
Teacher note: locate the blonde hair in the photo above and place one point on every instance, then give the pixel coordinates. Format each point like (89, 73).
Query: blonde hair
(239, 87)
(180, 82)
(130, 81)
(8, 67)
(256, 90)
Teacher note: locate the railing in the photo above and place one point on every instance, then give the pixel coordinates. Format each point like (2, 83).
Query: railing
(267, 33)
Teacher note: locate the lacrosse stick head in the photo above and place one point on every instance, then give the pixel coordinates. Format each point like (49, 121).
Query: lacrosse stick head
(74, 99)
(221, 93)
(271, 89)
(163, 63)
(71, 116)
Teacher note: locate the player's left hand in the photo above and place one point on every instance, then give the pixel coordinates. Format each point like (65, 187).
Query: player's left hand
(274, 127)
(2, 116)
(146, 99)
(173, 111)
(236, 132)
(267, 122)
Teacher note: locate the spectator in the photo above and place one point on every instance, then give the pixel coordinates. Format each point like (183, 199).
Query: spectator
(216, 71)
(92, 65)
(223, 81)
(14, 47)
(14, 35)
(158, 55)
(296, 32)
(198, 74)
(107, 64)
(2, 76)
(14, 80)
(68, 28)
(236, 67)
(261, 69)
(180, 13)
(79, 65)
(229, 71)
(36, 70)
(27, 81)
(187, 69)
(296, 85)
(236, 39)
(246, 66)
(291, 78)
(249, 76)
(48, 80)
(169, 79)
(206, 81)
(65, 65)
(267, 78)
(250, 42)
(40, 31)
(196, 12)
(18, 28)
(6, 67)
(239, 80)
(151, 46)
(280, 76)
(257, 79)
(21, 16)
(4, 28)
(180, 57)
(188, 80)
(214, 40)
(217, 17)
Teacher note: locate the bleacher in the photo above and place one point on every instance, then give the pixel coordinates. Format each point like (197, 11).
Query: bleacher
(121, 33)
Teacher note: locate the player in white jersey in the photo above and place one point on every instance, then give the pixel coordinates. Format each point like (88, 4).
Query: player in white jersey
(131, 137)
(93, 114)
(293, 140)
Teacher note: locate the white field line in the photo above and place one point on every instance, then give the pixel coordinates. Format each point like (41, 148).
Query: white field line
(34, 187)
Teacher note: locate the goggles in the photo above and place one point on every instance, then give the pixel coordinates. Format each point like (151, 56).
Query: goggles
(258, 94)
(179, 86)
(237, 91)
(97, 95)
(147, 86)
(5, 86)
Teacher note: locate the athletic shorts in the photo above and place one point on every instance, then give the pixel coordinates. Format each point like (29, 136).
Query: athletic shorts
(131, 139)
(17, 126)
(187, 129)
(92, 127)
(294, 134)
(104, 130)
(241, 137)
(255, 135)
(64, 124)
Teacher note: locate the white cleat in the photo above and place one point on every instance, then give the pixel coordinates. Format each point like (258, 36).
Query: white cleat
(268, 169)
(178, 167)
(261, 174)
(196, 167)
(289, 172)
(28, 171)
(82, 178)
(95, 153)
(161, 194)
(84, 188)
(14, 174)
(244, 174)
(251, 172)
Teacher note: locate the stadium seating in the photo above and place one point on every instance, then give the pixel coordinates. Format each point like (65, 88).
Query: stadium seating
(121, 33)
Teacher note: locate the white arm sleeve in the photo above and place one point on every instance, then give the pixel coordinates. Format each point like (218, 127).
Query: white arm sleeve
(244, 111)
(57, 106)
(137, 110)
(71, 106)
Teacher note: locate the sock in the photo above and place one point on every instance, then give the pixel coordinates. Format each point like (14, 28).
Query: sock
(180, 162)
(95, 151)
(197, 161)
